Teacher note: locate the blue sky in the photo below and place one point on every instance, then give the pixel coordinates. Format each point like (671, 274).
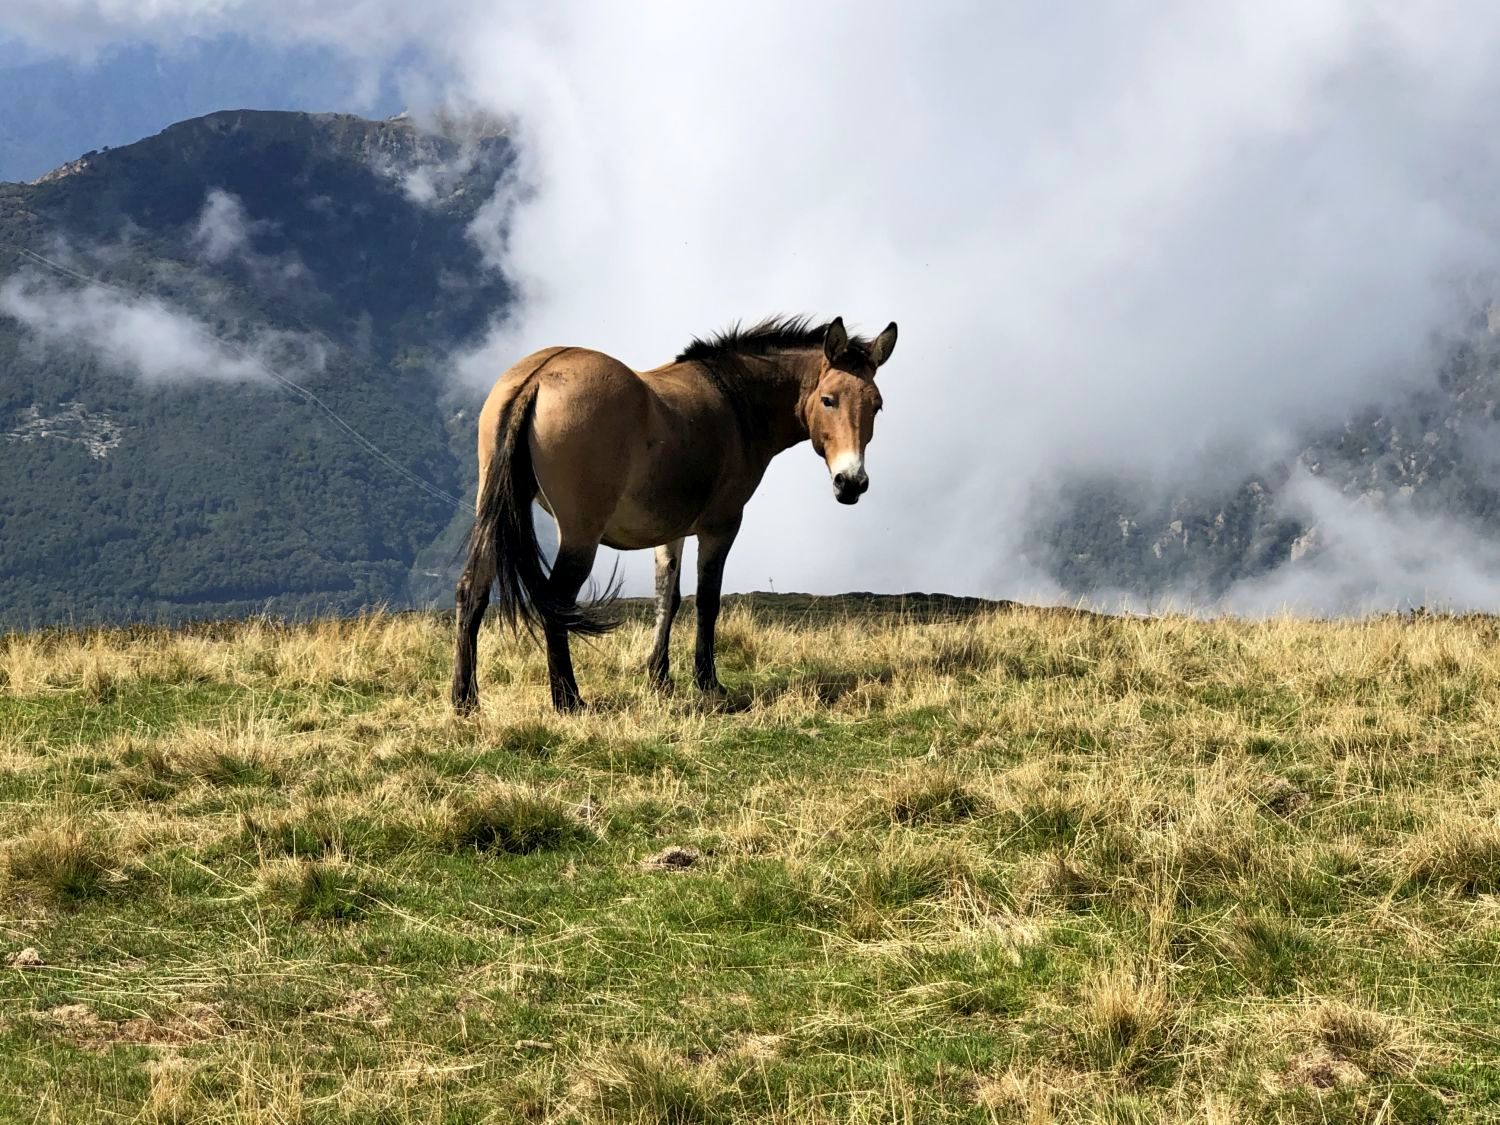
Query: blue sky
(60, 106)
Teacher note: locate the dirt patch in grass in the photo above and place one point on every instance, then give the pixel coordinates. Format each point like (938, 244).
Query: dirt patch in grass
(361, 1006)
(80, 1025)
(675, 858)
(1318, 1069)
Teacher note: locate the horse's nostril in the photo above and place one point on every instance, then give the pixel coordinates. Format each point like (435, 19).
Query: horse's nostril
(839, 480)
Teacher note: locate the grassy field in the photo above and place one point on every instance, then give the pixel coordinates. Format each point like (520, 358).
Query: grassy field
(1008, 866)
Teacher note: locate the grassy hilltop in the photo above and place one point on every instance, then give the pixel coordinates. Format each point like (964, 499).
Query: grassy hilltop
(1016, 865)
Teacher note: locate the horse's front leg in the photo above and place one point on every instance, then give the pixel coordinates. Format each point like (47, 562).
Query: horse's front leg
(713, 549)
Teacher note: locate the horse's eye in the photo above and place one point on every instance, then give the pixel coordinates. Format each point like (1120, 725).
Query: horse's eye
(828, 401)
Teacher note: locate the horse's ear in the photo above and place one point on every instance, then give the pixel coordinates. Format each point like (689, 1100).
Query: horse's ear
(884, 344)
(835, 340)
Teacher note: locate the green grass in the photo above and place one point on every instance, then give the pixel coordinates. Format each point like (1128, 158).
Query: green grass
(1026, 866)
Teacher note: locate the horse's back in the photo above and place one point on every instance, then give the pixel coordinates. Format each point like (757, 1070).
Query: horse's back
(575, 387)
(584, 399)
(590, 410)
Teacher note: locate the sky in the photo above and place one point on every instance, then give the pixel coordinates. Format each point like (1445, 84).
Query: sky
(1147, 240)
(58, 106)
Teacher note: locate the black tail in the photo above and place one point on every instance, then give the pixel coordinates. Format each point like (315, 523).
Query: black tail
(503, 541)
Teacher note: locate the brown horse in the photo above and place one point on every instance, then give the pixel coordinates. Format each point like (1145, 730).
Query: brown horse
(645, 459)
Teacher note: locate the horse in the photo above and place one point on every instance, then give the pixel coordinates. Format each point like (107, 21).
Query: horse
(639, 460)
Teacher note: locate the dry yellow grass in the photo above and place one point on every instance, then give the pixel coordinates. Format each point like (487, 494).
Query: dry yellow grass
(1029, 866)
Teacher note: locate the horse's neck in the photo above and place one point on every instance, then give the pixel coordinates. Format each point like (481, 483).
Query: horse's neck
(781, 385)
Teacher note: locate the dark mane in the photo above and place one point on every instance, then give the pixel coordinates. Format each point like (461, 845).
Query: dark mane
(775, 333)
(722, 359)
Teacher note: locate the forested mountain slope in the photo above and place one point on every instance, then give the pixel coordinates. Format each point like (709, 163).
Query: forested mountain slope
(151, 469)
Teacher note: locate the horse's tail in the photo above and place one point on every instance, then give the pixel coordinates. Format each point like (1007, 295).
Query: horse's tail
(503, 541)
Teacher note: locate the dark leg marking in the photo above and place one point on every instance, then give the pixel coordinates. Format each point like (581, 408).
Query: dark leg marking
(471, 599)
(713, 549)
(569, 572)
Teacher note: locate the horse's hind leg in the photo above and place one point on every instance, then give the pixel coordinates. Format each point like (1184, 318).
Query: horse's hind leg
(570, 571)
(668, 601)
(471, 599)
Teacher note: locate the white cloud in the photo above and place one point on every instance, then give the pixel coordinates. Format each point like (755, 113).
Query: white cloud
(143, 336)
(432, 182)
(1369, 556)
(1114, 236)
(223, 229)
(225, 232)
(1112, 241)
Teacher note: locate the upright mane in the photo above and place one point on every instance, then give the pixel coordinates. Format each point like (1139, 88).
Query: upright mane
(775, 333)
(722, 357)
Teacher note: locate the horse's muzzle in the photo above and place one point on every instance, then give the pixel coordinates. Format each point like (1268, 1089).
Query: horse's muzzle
(849, 487)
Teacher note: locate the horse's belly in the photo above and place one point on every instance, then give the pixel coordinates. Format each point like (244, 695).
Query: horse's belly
(635, 525)
(665, 494)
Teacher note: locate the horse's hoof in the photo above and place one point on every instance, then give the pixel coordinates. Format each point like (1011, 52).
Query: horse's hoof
(567, 704)
(464, 706)
(663, 685)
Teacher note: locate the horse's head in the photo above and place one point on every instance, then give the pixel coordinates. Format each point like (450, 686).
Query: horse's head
(841, 410)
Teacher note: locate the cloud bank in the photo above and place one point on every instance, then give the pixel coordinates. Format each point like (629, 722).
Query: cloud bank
(1366, 558)
(145, 337)
(1147, 241)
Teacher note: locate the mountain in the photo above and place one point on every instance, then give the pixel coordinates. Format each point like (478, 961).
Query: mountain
(154, 467)
(224, 389)
(57, 108)
(1423, 462)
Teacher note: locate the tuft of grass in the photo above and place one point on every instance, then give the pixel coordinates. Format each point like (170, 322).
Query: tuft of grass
(1378, 1043)
(769, 892)
(1268, 952)
(516, 821)
(1062, 879)
(1459, 854)
(968, 651)
(904, 884)
(324, 890)
(146, 772)
(938, 796)
(1046, 819)
(65, 862)
(645, 1084)
(246, 753)
(1126, 1024)
(529, 740)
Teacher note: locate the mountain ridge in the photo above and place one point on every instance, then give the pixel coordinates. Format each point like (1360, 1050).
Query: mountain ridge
(58, 107)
